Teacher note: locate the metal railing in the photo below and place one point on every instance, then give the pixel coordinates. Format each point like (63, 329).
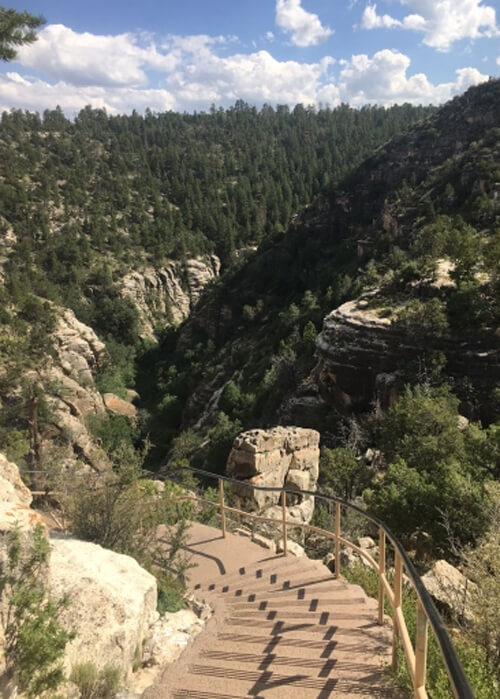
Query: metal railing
(426, 612)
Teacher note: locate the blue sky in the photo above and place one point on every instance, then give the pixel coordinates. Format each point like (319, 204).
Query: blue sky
(188, 54)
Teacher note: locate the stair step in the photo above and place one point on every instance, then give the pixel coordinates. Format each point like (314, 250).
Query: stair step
(279, 626)
(283, 641)
(263, 564)
(275, 582)
(268, 683)
(263, 678)
(263, 572)
(320, 617)
(311, 604)
(320, 667)
(193, 694)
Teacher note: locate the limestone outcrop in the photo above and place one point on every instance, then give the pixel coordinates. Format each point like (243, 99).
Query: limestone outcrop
(15, 511)
(362, 354)
(450, 588)
(79, 350)
(67, 379)
(279, 457)
(112, 602)
(12, 487)
(166, 295)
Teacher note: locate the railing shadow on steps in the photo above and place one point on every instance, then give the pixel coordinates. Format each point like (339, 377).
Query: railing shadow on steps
(426, 612)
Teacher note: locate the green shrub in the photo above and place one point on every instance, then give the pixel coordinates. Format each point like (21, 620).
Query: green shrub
(34, 637)
(473, 657)
(121, 511)
(95, 683)
(170, 595)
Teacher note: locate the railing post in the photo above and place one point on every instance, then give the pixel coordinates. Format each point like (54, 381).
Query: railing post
(283, 514)
(337, 539)
(221, 505)
(381, 571)
(420, 650)
(398, 587)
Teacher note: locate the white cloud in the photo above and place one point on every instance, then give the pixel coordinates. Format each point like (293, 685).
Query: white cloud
(128, 72)
(383, 79)
(304, 27)
(34, 94)
(371, 20)
(92, 59)
(270, 36)
(255, 77)
(498, 61)
(441, 21)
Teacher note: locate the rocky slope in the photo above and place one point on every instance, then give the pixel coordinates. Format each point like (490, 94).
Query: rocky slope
(167, 294)
(71, 394)
(111, 600)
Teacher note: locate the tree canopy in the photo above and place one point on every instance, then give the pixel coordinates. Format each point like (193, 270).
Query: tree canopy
(16, 29)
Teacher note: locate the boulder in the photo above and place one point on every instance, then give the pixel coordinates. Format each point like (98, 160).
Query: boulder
(15, 511)
(12, 488)
(112, 601)
(366, 543)
(118, 406)
(292, 547)
(279, 457)
(170, 635)
(449, 588)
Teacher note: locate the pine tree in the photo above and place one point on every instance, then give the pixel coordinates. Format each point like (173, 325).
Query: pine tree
(16, 29)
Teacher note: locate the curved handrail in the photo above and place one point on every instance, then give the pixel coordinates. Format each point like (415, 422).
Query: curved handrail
(459, 681)
(426, 609)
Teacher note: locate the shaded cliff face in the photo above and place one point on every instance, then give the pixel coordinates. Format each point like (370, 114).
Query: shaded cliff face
(166, 295)
(364, 357)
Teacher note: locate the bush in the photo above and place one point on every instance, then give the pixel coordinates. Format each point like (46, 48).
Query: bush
(121, 511)
(472, 656)
(433, 482)
(95, 683)
(34, 638)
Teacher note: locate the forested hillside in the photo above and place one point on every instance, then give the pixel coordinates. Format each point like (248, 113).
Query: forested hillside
(106, 215)
(425, 202)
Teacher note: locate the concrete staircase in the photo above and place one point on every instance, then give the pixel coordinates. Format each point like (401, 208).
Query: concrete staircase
(282, 627)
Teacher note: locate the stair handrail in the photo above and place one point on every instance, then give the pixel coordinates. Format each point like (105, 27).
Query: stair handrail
(427, 613)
